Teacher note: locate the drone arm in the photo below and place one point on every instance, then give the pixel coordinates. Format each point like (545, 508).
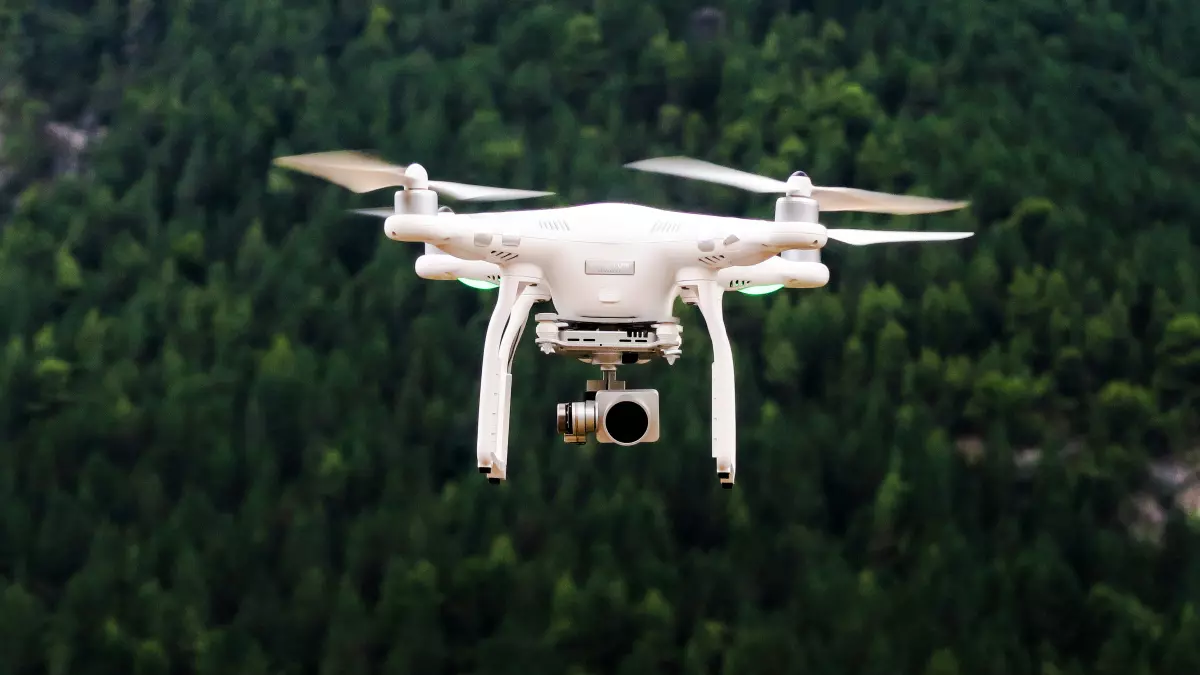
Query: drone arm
(744, 241)
(783, 236)
(435, 230)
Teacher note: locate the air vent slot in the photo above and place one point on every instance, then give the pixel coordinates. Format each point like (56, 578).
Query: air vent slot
(712, 259)
(664, 227)
(556, 225)
(635, 335)
(504, 255)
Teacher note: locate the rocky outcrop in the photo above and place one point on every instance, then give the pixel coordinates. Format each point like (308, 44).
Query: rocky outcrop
(1174, 483)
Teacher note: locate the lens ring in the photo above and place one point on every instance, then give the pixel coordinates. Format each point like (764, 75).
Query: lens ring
(563, 415)
(626, 421)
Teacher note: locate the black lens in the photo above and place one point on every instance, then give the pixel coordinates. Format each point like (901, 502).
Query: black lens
(626, 422)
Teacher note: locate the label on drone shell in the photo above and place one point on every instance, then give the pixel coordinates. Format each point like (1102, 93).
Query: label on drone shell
(608, 267)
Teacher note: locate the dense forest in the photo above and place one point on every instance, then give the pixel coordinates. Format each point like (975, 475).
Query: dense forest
(237, 431)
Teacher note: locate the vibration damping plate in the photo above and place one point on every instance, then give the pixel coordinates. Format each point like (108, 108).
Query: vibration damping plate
(580, 338)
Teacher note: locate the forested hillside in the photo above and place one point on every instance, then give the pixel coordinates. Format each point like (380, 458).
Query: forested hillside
(237, 431)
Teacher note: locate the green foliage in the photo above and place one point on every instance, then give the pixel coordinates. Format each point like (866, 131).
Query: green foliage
(237, 430)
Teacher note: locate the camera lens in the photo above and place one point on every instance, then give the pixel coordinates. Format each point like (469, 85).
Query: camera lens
(626, 421)
(576, 420)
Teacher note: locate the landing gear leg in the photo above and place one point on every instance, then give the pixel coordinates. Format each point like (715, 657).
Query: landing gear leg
(508, 351)
(489, 380)
(514, 299)
(724, 409)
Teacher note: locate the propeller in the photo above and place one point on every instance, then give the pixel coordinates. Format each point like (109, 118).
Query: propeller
(360, 172)
(379, 212)
(799, 185)
(865, 237)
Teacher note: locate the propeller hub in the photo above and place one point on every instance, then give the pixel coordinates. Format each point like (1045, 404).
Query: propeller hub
(799, 185)
(418, 176)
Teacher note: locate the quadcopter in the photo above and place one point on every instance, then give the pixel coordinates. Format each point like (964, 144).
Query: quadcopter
(612, 273)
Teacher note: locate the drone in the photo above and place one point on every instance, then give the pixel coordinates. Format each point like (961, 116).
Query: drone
(612, 273)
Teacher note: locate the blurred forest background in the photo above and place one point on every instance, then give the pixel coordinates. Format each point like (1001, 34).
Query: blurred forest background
(237, 431)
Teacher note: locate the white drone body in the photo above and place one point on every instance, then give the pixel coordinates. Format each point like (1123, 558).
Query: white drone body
(613, 263)
(613, 272)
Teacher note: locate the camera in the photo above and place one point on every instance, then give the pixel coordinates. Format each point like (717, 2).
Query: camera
(619, 416)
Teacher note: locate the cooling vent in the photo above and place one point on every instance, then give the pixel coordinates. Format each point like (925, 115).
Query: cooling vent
(503, 255)
(712, 259)
(641, 336)
(557, 225)
(664, 227)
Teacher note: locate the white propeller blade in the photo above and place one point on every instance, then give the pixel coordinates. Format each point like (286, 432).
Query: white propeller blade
(828, 198)
(354, 171)
(865, 237)
(382, 212)
(697, 169)
(865, 201)
(480, 193)
(360, 173)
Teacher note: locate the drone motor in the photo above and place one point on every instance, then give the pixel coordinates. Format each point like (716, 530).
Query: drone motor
(797, 209)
